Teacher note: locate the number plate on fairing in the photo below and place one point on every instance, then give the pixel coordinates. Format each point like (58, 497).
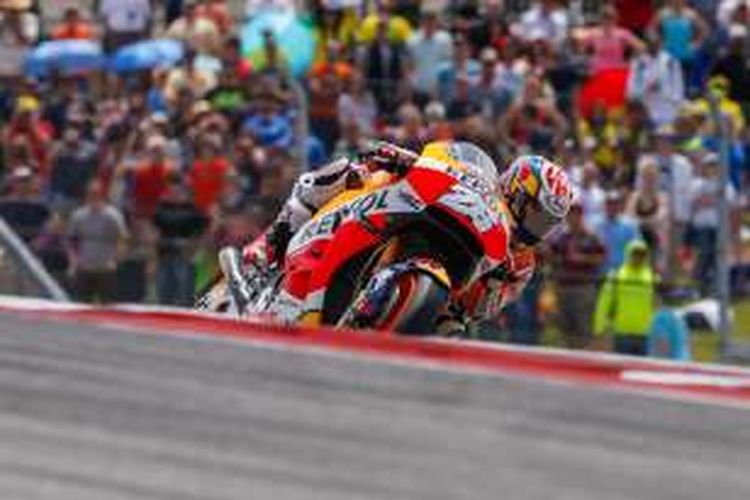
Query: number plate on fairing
(471, 204)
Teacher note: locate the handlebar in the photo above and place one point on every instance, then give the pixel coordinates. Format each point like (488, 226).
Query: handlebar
(389, 157)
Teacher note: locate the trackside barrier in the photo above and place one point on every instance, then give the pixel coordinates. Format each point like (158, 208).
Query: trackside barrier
(710, 384)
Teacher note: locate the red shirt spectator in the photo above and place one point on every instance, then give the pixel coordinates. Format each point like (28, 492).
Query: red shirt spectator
(151, 178)
(27, 126)
(208, 175)
(73, 27)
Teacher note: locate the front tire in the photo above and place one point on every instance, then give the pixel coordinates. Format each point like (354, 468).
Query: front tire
(407, 301)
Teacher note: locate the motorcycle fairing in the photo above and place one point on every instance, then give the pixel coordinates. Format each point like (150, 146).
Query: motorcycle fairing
(354, 222)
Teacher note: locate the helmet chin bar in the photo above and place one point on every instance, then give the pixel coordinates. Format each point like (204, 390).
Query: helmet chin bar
(525, 236)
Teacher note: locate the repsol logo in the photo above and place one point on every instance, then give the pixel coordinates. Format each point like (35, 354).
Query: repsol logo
(359, 208)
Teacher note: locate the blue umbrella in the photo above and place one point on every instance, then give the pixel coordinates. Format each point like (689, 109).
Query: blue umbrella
(148, 54)
(294, 38)
(67, 56)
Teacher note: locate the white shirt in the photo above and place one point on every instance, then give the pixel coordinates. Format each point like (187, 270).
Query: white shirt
(657, 81)
(704, 198)
(676, 179)
(427, 56)
(727, 8)
(126, 15)
(536, 25)
(362, 111)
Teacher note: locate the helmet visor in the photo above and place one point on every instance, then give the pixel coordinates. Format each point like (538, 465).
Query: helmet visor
(538, 223)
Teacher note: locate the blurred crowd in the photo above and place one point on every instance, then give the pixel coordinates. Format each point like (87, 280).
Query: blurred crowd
(121, 180)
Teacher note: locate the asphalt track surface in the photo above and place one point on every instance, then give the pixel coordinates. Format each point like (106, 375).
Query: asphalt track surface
(105, 413)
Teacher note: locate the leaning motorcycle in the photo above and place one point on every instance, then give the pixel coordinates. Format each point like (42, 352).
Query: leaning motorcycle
(387, 255)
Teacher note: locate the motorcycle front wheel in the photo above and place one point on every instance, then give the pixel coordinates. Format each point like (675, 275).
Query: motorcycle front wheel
(409, 304)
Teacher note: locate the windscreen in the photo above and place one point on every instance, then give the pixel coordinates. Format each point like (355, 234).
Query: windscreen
(477, 162)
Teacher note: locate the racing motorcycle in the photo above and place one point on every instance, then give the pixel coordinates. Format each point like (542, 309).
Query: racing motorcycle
(387, 254)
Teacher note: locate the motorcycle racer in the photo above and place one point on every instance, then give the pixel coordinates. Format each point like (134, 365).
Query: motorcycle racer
(533, 196)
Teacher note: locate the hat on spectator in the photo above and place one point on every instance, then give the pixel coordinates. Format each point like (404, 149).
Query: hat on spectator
(665, 132)
(710, 158)
(488, 54)
(27, 103)
(15, 4)
(430, 8)
(738, 31)
(22, 173)
(156, 142)
(198, 109)
(159, 117)
(613, 196)
(434, 111)
(719, 82)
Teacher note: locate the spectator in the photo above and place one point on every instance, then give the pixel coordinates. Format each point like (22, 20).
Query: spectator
(97, 234)
(533, 122)
(656, 79)
(73, 165)
(352, 141)
(592, 196)
(410, 131)
(492, 92)
(190, 76)
(125, 21)
(383, 64)
(179, 223)
(217, 11)
(151, 178)
(430, 47)
(357, 105)
(616, 231)
(26, 125)
(461, 66)
(52, 249)
(648, 205)
(705, 197)
(464, 103)
(73, 27)
(198, 31)
(208, 175)
(22, 207)
(627, 302)
(734, 65)
(719, 87)
(229, 96)
(19, 27)
(325, 90)
(635, 137)
(610, 44)
(269, 125)
(249, 161)
(577, 255)
(334, 27)
(394, 27)
(172, 11)
(683, 31)
(676, 177)
(601, 134)
(271, 62)
(544, 20)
